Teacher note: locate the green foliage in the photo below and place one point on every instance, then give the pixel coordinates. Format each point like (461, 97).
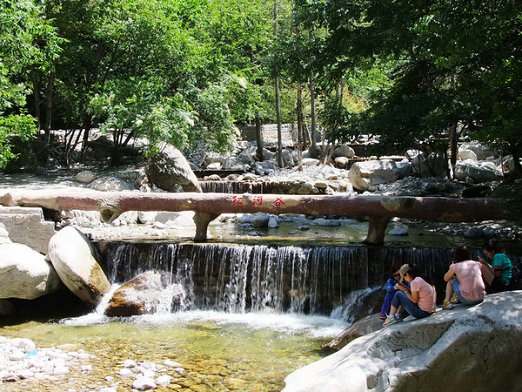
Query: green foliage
(448, 62)
(27, 42)
(22, 127)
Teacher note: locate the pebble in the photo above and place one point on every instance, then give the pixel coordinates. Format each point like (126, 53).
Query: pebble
(129, 363)
(20, 359)
(143, 383)
(172, 364)
(125, 372)
(163, 380)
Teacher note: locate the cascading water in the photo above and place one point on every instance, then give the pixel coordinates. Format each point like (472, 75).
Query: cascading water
(236, 187)
(253, 278)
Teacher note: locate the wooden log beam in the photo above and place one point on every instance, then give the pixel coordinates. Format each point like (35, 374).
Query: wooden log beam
(378, 208)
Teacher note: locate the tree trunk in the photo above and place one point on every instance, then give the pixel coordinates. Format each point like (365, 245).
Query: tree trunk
(278, 101)
(378, 209)
(313, 148)
(517, 169)
(36, 100)
(259, 139)
(453, 141)
(87, 123)
(48, 116)
(299, 127)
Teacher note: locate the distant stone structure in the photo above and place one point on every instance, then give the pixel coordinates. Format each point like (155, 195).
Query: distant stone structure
(269, 132)
(26, 225)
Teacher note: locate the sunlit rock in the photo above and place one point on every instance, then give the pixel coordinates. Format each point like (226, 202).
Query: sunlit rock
(111, 184)
(150, 292)
(144, 384)
(24, 273)
(482, 343)
(465, 153)
(85, 176)
(74, 259)
(345, 151)
(170, 168)
(367, 175)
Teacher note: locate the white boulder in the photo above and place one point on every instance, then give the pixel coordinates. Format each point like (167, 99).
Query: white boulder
(468, 348)
(85, 176)
(344, 151)
(465, 153)
(366, 175)
(481, 150)
(74, 258)
(24, 273)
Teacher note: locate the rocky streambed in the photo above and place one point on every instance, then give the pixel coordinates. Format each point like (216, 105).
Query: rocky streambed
(191, 352)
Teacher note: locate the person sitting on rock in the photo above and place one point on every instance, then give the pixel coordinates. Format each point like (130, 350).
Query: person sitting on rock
(464, 278)
(501, 264)
(418, 300)
(390, 291)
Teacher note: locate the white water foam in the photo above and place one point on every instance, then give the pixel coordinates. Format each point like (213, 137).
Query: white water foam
(290, 323)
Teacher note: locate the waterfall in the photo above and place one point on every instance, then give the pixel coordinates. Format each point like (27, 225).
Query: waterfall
(237, 187)
(239, 278)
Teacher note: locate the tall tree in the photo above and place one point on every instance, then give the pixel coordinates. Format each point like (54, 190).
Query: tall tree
(451, 63)
(28, 44)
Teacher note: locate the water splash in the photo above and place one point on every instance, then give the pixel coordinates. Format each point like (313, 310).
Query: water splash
(353, 304)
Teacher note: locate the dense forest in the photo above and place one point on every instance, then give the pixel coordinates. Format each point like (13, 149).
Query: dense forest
(420, 73)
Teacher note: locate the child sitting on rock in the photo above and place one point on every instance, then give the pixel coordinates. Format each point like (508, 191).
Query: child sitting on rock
(390, 291)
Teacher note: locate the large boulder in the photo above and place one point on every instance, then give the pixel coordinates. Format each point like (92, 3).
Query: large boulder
(288, 160)
(150, 292)
(476, 172)
(360, 328)
(24, 273)
(111, 184)
(481, 151)
(169, 169)
(432, 165)
(345, 151)
(468, 348)
(465, 153)
(74, 258)
(368, 174)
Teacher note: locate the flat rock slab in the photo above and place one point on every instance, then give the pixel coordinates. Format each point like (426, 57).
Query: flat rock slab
(477, 348)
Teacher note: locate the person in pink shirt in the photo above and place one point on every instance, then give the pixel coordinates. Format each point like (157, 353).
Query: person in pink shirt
(464, 278)
(418, 300)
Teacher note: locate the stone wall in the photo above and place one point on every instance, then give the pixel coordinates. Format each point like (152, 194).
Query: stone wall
(269, 132)
(26, 225)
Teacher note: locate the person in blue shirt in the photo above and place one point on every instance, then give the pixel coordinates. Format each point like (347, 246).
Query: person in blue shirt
(501, 264)
(390, 291)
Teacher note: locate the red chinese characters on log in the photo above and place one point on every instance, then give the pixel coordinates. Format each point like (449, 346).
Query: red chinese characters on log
(237, 201)
(278, 202)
